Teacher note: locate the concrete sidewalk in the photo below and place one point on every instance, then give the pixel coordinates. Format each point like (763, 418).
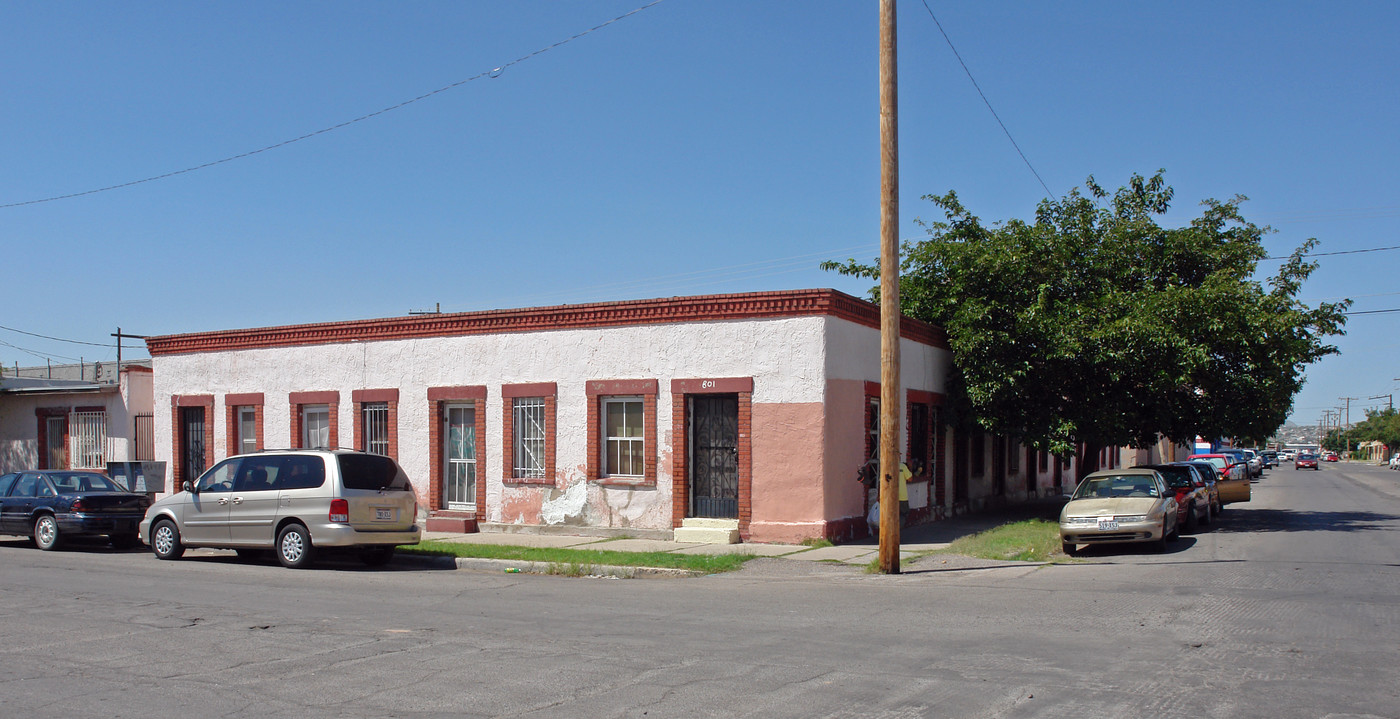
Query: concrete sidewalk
(913, 541)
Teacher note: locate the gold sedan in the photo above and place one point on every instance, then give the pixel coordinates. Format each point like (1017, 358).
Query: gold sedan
(1119, 505)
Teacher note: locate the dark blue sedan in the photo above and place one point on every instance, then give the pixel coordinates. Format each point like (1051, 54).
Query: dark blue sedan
(49, 505)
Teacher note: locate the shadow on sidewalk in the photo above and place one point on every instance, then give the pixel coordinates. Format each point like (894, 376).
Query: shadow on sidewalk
(946, 530)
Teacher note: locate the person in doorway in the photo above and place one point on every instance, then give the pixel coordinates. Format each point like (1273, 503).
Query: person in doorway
(904, 476)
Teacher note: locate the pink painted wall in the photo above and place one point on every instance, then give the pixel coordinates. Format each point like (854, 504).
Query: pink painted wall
(845, 441)
(787, 472)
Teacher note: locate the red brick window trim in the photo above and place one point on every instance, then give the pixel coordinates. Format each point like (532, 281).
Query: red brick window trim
(178, 402)
(439, 398)
(42, 414)
(388, 401)
(680, 471)
(599, 392)
(537, 399)
(331, 399)
(234, 404)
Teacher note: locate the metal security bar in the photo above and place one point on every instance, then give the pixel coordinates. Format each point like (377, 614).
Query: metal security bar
(461, 457)
(376, 427)
(145, 438)
(87, 436)
(529, 437)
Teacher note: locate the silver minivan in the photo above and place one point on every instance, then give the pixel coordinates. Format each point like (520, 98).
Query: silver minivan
(291, 501)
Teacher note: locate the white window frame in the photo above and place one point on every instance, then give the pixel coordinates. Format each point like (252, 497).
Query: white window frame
(374, 427)
(611, 442)
(530, 441)
(321, 412)
(247, 429)
(469, 467)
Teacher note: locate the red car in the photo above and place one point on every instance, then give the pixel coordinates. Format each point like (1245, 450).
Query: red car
(1331, 457)
(1305, 460)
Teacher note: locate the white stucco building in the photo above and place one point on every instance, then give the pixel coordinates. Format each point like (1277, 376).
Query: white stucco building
(60, 423)
(752, 411)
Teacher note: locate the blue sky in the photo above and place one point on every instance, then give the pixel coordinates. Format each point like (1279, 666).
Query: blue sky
(693, 147)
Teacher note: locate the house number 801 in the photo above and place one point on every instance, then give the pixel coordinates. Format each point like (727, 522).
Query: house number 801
(707, 384)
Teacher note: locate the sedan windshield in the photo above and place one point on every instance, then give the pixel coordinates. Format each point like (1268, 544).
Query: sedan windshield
(1127, 485)
(1218, 462)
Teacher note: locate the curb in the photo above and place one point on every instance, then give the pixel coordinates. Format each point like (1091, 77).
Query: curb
(556, 568)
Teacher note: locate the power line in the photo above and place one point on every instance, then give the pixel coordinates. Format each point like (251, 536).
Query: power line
(40, 355)
(56, 339)
(1340, 252)
(1373, 312)
(494, 72)
(985, 100)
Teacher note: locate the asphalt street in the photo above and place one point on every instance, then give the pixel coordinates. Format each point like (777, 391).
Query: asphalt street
(1288, 607)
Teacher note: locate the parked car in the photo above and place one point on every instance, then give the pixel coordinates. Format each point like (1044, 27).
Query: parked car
(1119, 505)
(1270, 458)
(1206, 471)
(1305, 460)
(50, 505)
(297, 502)
(1331, 457)
(1192, 499)
(1231, 476)
(1255, 461)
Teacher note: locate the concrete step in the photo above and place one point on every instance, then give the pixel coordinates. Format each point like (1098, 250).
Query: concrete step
(708, 531)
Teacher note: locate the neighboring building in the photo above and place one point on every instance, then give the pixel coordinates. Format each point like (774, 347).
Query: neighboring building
(753, 411)
(58, 423)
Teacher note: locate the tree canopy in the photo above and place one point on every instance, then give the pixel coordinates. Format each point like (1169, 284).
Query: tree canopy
(1095, 324)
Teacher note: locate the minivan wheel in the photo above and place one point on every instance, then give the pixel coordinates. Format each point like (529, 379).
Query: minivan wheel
(46, 535)
(165, 540)
(294, 548)
(377, 556)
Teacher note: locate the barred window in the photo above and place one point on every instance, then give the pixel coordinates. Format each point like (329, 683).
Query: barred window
(529, 440)
(88, 440)
(375, 421)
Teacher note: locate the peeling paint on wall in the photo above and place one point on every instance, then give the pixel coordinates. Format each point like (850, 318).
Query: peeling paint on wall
(562, 505)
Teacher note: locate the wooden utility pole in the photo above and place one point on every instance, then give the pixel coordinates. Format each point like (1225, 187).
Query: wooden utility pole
(119, 335)
(889, 294)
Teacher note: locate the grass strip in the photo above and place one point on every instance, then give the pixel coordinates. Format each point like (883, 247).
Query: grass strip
(1032, 540)
(578, 558)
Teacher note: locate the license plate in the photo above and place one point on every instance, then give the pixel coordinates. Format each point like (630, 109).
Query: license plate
(383, 514)
(1108, 525)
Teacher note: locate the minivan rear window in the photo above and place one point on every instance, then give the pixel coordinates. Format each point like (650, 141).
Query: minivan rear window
(371, 471)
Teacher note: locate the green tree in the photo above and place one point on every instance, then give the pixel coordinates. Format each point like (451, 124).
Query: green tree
(1094, 323)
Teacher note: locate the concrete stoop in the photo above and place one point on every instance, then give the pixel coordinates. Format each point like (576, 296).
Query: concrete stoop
(707, 531)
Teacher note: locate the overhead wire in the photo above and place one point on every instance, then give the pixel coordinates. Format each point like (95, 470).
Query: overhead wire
(494, 72)
(985, 100)
(59, 339)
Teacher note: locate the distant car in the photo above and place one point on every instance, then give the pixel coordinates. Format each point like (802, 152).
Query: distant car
(1232, 477)
(1270, 457)
(1256, 462)
(50, 505)
(1119, 505)
(1331, 457)
(1286, 455)
(1194, 506)
(1395, 461)
(1305, 460)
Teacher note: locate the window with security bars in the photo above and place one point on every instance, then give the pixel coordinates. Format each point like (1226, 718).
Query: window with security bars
(624, 447)
(529, 440)
(375, 424)
(87, 440)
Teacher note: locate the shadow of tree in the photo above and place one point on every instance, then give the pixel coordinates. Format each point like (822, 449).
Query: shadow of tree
(1240, 519)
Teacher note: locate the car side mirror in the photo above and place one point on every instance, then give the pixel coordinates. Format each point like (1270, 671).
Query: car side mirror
(188, 486)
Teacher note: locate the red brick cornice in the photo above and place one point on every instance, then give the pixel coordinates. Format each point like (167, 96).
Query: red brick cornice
(706, 308)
